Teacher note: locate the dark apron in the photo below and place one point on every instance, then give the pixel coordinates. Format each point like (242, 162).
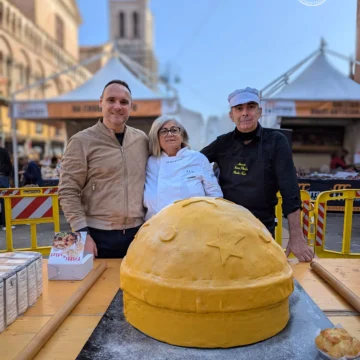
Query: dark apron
(242, 180)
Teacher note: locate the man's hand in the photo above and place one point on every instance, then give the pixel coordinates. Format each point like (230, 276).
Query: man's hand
(300, 249)
(297, 243)
(90, 246)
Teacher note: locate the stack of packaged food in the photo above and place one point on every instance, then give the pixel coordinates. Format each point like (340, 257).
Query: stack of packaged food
(21, 283)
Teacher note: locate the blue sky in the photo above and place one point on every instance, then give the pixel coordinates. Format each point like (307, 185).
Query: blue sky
(217, 46)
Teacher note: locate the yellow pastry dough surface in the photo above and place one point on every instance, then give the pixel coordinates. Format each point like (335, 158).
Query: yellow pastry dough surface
(202, 267)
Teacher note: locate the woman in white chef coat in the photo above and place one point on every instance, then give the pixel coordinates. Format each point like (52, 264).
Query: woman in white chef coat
(174, 172)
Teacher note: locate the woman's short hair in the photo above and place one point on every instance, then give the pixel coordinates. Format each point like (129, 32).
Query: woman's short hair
(154, 143)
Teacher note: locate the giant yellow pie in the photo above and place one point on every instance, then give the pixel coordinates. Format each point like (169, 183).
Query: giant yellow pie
(206, 273)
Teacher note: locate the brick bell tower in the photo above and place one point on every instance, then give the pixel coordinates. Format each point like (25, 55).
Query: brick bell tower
(131, 24)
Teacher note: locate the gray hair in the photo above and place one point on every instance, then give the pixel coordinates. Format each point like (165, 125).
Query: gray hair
(154, 143)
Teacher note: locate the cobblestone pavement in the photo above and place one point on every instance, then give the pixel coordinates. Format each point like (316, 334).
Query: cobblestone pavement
(333, 240)
(45, 233)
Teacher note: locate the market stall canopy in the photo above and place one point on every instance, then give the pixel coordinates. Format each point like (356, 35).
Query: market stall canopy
(113, 69)
(320, 81)
(320, 91)
(83, 102)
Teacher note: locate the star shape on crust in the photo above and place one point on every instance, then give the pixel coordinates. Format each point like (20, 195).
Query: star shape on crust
(227, 245)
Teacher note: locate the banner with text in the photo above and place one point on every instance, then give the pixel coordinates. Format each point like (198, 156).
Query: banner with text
(315, 187)
(300, 108)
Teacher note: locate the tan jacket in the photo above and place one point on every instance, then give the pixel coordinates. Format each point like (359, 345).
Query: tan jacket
(101, 182)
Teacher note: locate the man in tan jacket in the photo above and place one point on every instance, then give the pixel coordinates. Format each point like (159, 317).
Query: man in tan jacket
(102, 177)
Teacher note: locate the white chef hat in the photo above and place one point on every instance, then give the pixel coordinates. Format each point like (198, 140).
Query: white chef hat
(243, 96)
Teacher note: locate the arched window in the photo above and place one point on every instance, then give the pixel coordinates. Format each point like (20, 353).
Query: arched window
(13, 24)
(41, 75)
(21, 73)
(38, 93)
(60, 30)
(19, 27)
(1, 13)
(136, 25)
(122, 25)
(1, 64)
(27, 75)
(8, 74)
(8, 67)
(7, 16)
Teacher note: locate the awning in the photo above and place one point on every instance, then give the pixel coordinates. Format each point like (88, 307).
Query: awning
(320, 81)
(83, 102)
(320, 90)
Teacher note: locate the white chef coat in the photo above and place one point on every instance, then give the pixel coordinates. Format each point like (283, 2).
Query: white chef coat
(168, 179)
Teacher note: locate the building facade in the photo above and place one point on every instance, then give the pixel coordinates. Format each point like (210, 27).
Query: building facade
(38, 38)
(131, 27)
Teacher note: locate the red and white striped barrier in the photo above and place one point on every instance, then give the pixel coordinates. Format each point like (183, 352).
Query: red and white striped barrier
(18, 192)
(306, 218)
(50, 190)
(320, 225)
(11, 192)
(31, 207)
(357, 194)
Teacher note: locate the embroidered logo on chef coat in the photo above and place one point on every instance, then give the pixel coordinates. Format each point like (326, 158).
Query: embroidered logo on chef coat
(190, 174)
(240, 169)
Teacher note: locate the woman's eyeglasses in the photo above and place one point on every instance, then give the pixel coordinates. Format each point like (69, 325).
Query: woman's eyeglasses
(173, 130)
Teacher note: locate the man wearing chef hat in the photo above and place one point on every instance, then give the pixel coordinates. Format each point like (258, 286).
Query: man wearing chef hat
(255, 163)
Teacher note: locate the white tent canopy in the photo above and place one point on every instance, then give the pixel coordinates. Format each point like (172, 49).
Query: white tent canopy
(320, 81)
(113, 69)
(312, 81)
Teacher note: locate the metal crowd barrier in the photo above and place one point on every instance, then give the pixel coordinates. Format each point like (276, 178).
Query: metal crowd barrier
(348, 195)
(32, 206)
(35, 205)
(307, 218)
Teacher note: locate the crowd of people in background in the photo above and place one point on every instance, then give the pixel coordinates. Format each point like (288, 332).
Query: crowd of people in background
(33, 171)
(338, 163)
